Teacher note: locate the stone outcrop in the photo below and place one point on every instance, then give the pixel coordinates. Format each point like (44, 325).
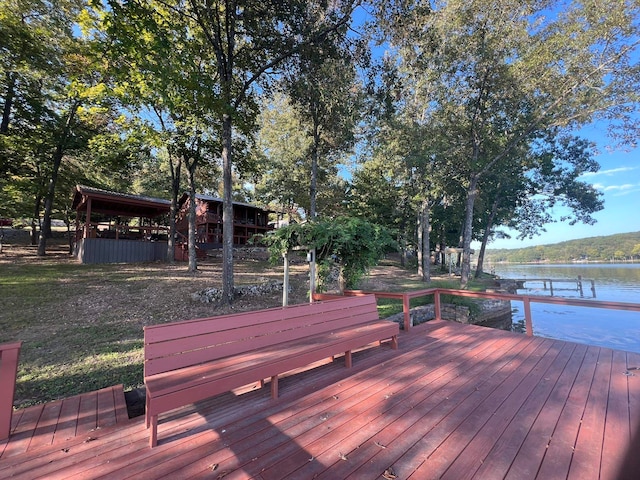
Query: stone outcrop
(214, 295)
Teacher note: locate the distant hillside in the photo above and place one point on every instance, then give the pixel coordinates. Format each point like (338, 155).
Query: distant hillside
(619, 247)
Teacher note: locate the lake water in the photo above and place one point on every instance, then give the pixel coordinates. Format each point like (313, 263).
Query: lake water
(593, 326)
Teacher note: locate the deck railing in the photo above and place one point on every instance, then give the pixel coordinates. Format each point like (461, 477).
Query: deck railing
(527, 300)
(9, 353)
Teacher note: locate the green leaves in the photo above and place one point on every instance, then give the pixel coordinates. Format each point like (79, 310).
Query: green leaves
(353, 244)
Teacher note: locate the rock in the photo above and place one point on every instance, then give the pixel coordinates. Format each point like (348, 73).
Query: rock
(214, 295)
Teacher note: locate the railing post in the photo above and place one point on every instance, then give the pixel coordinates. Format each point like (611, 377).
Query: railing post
(406, 308)
(436, 305)
(527, 316)
(9, 353)
(285, 284)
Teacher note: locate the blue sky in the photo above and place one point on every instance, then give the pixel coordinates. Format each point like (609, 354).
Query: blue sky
(619, 181)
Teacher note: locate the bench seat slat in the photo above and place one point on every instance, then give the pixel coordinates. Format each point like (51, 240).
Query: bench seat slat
(171, 331)
(217, 335)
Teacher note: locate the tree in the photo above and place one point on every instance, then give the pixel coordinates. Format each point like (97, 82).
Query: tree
(353, 244)
(284, 176)
(533, 182)
(248, 41)
(505, 73)
(322, 86)
(163, 68)
(54, 101)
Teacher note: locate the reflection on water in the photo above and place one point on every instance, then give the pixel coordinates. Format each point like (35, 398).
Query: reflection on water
(593, 326)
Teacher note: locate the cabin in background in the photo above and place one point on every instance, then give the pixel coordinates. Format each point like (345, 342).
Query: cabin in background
(113, 227)
(248, 220)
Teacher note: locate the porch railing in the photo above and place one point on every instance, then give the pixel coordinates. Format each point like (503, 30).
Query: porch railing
(527, 300)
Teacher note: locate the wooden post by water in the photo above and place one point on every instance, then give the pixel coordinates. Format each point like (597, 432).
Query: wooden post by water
(527, 316)
(437, 305)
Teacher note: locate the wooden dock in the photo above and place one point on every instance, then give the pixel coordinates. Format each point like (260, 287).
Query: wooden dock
(454, 402)
(547, 284)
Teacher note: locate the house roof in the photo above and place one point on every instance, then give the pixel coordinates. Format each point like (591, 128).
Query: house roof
(119, 204)
(211, 198)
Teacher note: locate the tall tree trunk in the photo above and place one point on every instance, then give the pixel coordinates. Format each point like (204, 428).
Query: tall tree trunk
(173, 211)
(420, 250)
(58, 154)
(8, 102)
(425, 212)
(35, 219)
(472, 193)
(45, 229)
(192, 164)
(227, 212)
(313, 189)
(485, 237)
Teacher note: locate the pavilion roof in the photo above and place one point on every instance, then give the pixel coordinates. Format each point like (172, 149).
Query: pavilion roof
(119, 204)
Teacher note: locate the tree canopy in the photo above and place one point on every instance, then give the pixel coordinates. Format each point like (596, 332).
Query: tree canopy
(440, 121)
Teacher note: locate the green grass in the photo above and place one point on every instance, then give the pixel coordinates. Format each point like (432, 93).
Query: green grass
(390, 306)
(66, 350)
(82, 325)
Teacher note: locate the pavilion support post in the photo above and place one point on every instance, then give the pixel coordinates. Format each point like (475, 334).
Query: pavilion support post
(77, 229)
(87, 220)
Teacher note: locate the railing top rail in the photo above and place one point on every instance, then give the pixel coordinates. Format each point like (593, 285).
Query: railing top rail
(576, 302)
(383, 294)
(10, 346)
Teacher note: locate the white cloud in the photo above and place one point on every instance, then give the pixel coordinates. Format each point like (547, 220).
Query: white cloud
(610, 172)
(618, 190)
(626, 186)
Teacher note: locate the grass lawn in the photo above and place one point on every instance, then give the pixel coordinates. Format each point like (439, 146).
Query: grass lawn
(81, 325)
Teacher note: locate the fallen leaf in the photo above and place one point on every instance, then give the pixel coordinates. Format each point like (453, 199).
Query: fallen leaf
(342, 456)
(378, 444)
(389, 474)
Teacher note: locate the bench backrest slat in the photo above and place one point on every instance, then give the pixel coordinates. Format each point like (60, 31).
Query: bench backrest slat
(180, 344)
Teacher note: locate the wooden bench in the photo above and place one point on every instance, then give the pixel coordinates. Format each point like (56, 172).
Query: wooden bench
(193, 360)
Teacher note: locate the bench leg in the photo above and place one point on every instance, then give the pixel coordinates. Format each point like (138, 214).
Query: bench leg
(146, 410)
(274, 386)
(347, 359)
(153, 436)
(394, 342)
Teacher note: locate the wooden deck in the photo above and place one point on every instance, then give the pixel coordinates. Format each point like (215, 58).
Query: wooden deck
(455, 402)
